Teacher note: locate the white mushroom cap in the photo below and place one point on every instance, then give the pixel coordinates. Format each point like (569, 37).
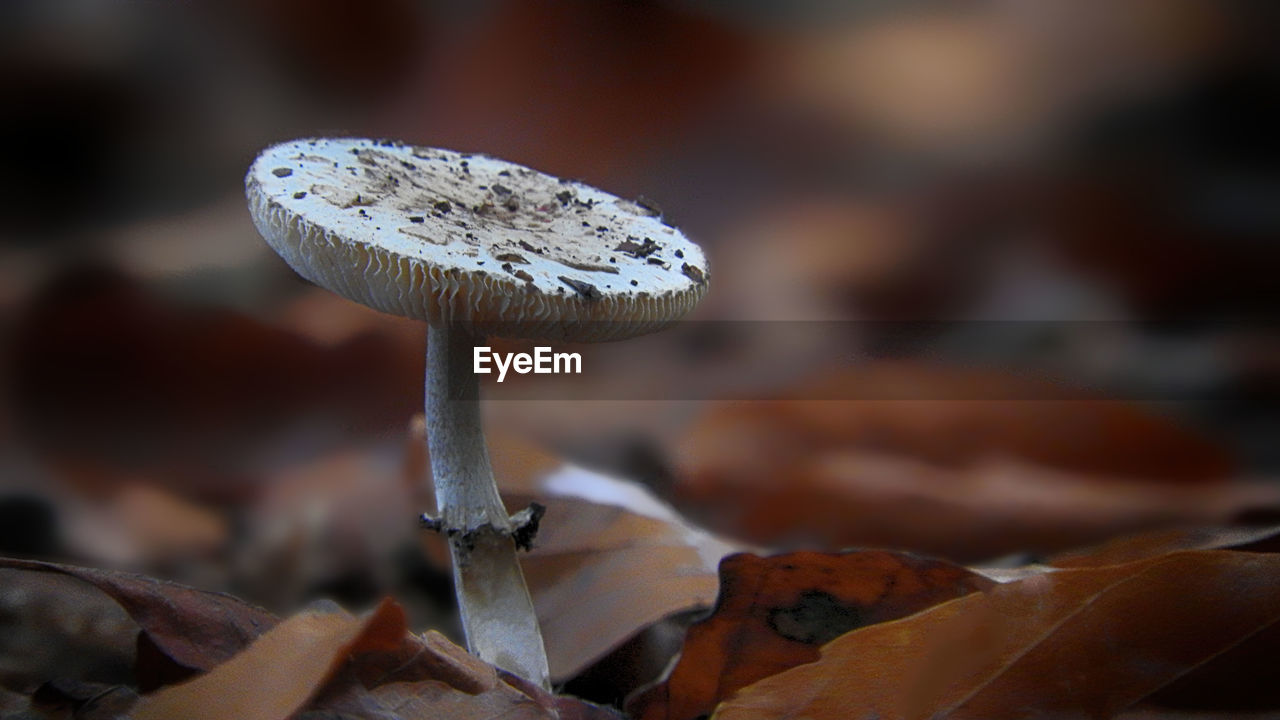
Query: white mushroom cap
(451, 237)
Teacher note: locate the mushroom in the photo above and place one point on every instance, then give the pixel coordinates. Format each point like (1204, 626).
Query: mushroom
(475, 246)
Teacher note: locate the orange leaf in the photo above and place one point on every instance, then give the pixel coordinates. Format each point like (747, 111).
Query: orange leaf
(1071, 643)
(1243, 679)
(609, 560)
(774, 613)
(429, 677)
(280, 671)
(1141, 546)
(919, 455)
(992, 508)
(952, 417)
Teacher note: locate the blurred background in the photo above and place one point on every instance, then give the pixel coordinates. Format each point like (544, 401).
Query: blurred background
(1094, 187)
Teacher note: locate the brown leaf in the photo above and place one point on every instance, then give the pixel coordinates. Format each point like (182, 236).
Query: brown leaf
(280, 671)
(429, 656)
(85, 700)
(774, 613)
(1071, 643)
(191, 628)
(427, 676)
(425, 700)
(915, 468)
(999, 507)
(610, 559)
(1142, 546)
(55, 626)
(778, 482)
(1242, 679)
(369, 667)
(952, 417)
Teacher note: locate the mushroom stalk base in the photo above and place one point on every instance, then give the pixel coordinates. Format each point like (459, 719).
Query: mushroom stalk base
(497, 612)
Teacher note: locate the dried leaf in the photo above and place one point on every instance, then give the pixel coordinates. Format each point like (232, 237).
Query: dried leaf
(1244, 678)
(55, 626)
(191, 628)
(429, 656)
(411, 701)
(988, 509)
(280, 671)
(774, 613)
(84, 700)
(1023, 467)
(429, 677)
(609, 559)
(950, 417)
(1072, 643)
(1162, 542)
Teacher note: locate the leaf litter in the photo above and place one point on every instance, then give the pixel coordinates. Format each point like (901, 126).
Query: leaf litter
(1085, 642)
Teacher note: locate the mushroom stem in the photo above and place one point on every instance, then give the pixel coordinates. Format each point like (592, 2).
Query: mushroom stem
(497, 612)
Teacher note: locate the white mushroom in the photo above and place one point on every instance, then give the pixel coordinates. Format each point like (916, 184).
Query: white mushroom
(475, 246)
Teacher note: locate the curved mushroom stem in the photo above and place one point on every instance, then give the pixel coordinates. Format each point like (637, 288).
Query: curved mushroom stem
(497, 612)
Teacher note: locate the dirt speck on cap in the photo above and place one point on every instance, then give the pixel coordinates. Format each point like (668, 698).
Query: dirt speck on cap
(693, 273)
(585, 289)
(635, 248)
